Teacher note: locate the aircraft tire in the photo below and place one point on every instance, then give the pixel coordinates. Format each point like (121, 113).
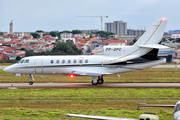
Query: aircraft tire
(94, 83)
(30, 83)
(100, 81)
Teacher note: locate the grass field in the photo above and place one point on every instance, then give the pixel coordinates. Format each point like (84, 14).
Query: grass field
(55, 103)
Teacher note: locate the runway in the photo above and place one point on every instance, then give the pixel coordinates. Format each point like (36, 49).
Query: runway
(87, 85)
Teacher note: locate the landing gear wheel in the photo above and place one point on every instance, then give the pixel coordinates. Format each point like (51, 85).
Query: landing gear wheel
(31, 78)
(94, 83)
(100, 81)
(30, 83)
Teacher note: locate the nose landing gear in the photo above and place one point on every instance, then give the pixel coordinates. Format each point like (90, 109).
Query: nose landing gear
(31, 78)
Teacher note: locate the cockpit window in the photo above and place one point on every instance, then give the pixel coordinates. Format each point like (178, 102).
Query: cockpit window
(26, 61)
(19, 61)
(22, 61)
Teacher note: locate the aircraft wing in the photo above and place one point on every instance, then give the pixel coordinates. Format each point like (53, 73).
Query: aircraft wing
(98, 117)
(87, 73)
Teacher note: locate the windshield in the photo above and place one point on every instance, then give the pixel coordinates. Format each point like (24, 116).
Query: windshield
(22, 61)
(19, 61)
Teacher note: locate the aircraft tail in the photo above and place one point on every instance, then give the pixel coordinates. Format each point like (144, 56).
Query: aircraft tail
(146, 46)
(153, 35)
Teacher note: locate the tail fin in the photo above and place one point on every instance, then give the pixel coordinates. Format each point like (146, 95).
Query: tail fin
(143, 47)
(153, 35)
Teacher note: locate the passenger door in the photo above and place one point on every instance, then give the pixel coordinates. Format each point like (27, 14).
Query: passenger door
(38, 66)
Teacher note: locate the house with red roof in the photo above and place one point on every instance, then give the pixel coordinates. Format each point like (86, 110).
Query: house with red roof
(114, 42)
(175, 35)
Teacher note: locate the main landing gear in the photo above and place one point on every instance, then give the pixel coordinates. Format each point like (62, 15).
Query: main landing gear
(31, 78)
(96, 81)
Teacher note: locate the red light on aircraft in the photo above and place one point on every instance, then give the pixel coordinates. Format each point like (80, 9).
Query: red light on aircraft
(71, 76)
(163, 19)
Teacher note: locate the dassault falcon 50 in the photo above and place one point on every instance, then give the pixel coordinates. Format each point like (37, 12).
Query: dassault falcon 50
(115, 60)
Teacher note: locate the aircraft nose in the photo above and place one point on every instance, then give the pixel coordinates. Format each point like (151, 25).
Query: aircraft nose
(7, 69)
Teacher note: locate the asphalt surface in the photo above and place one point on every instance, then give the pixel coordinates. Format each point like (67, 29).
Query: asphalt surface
(87, 85)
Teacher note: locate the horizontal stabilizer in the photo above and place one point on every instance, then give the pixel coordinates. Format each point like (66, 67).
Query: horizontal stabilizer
(157, 46)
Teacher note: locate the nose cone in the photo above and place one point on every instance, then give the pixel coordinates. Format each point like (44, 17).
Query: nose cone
(8, 69)
(5, 69)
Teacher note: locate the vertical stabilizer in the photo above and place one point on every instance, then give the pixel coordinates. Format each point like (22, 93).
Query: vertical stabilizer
(154, 34)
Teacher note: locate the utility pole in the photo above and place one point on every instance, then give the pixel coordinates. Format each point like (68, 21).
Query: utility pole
(97, 16)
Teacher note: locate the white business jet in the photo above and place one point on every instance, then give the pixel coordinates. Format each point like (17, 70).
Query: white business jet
(116, 59)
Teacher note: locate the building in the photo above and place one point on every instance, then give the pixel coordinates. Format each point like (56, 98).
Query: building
(65, 39)
(21, 34)
(79, 35)
(120, 28)
(115, 42)
(117, 27)
(66, 35)
(175, 35)
(11, 27)
(89, 31)
(131, 32)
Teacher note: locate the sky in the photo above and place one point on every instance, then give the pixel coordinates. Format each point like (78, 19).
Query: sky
(50, 15)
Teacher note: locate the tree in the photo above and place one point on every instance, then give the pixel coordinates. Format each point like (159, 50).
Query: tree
(1, 33)
(53, 33)
(66, 48)
(59, 35)
(133, 41)
(163, 39)
(35, 35)
(18, 58)
(61, 48)
(65, 31)
(23, 49)
(76, 32)
(39, 31)
(45, 33)
(104, 34)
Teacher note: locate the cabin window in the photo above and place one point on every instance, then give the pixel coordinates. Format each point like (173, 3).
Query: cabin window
(75, 61)
(86, 61)
(27, 61)
(80, 61)
(52, 61)
(63, 61)
(57, 61)
(69, 61)
(22, 61)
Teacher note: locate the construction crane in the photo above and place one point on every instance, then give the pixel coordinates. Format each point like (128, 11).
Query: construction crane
(96, 16)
